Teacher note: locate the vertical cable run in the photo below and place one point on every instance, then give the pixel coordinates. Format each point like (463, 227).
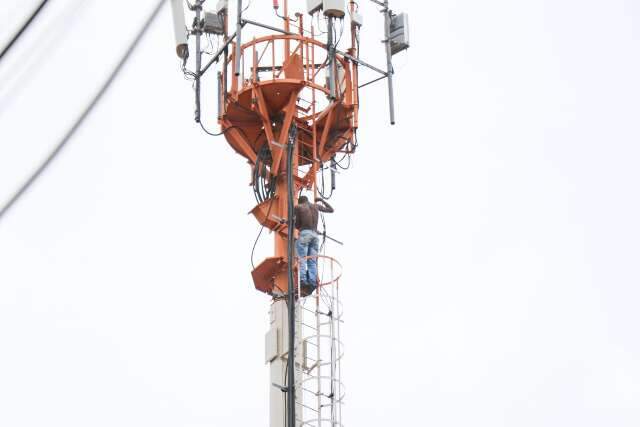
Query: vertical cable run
(291, 396)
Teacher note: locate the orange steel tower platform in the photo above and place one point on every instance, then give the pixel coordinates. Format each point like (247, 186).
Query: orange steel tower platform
(288, 103)
(266, 112)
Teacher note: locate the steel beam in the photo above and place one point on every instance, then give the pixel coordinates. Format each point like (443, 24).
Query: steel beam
(268, 27)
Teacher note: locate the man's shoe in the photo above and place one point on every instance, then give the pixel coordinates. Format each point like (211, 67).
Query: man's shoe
(306, 289)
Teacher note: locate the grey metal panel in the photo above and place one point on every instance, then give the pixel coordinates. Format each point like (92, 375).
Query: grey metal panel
(213, 23)
(271, 347)
(399, 33)
(333, 8)
(313, 6)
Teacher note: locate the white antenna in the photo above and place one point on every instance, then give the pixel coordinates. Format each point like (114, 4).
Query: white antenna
(180, 29)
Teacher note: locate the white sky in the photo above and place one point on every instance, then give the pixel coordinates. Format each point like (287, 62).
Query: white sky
(491, 266)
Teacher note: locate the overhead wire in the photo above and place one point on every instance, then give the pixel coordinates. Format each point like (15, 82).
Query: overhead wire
(80, 119)
(22, 29)
(26, 64)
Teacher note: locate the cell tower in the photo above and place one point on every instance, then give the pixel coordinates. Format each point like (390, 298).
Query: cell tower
(288, 103)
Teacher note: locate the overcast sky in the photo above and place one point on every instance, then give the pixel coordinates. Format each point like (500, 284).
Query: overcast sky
(492, 236)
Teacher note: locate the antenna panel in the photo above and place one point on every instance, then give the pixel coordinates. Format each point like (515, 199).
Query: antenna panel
(333, 8)
(313, 6)
(213, 23)
(399, 33)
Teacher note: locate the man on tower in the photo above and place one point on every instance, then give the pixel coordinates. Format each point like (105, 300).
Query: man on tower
(306, 215)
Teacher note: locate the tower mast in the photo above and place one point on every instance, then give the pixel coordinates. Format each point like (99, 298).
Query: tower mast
(288, 103)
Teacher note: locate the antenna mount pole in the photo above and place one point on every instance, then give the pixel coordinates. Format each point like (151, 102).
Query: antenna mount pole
(196, 29)
(387, 42)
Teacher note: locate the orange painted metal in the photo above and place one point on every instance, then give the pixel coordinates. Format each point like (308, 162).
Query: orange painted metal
(264, 101)
(269, 274)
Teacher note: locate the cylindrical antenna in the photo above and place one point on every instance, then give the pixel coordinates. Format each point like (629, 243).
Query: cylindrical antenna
(238, 38)
(331, 51)
(179, 29)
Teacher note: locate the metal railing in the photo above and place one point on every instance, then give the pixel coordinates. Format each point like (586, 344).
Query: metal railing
(266, 58)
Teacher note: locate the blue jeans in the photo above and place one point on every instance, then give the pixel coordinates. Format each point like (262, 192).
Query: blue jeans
(307, 246)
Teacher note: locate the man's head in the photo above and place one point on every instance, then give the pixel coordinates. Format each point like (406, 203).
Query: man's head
(302, 200)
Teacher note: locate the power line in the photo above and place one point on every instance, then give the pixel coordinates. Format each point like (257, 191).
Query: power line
(36, 174)
(27, 61)
(24, 27)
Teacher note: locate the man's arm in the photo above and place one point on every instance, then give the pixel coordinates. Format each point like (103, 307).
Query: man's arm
(323, 206)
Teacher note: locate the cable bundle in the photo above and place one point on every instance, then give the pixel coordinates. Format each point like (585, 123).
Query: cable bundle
(264, 186)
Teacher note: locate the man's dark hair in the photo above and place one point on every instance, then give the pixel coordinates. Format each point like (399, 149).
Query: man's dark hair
(302, 199)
